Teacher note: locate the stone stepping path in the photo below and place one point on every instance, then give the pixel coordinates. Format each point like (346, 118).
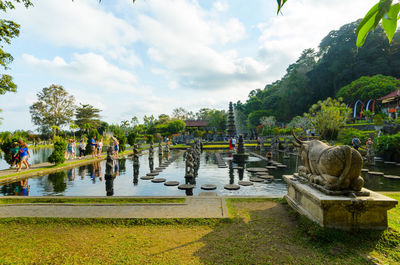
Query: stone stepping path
(208, 187)
(364, 170)
(256, 169)
(254, 179)
(391, 177)
(152, 174)
(186, 186)
(266, 177)
(375, 173)
(282, 166)
(220, 162)
(171, 183)
(245, 183)
(231, 187)
(158, 180)
(271, 167)
(389, 163)
(147, 177)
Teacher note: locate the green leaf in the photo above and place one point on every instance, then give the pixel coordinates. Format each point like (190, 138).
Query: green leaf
(389, 22)
(280, 5)
(371, 14)
(365, 29)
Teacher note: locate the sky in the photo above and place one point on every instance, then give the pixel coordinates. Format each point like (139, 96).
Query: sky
(156, 55)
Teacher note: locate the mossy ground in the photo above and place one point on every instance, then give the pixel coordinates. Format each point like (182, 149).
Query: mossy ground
(260, 231)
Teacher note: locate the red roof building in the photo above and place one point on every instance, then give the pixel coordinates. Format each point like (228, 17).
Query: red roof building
(391, 103)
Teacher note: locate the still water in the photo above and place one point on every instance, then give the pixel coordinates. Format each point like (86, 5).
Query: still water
(90, 181)
(37, 156)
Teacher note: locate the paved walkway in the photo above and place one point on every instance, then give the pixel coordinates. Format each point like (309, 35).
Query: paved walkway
(194, 207)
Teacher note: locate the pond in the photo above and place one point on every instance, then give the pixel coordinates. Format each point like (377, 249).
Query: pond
(89, 180)
(38, 155)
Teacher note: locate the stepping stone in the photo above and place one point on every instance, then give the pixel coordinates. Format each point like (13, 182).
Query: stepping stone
(267, 177)
(389, 163)
(171, 183)
(391, 177)
(245, 183)
(158, 180)
(186, 187)
(398, 164)
(152, 174)
(375, 173)
(231, 187)
(282, 166)
(257, 169)
(156, 171)
(364, 170)
(256, 179)
(208, 187)
(223, 167)
(271, 167)
(147, 177)
(208, 193)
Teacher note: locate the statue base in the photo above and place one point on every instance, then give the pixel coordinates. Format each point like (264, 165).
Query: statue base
(339, 211)
(240, 158)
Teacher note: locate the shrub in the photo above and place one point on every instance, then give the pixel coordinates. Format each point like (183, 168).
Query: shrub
(58, 155)
(388, 146)
(6, 146)
(131, 139)
(347, 134)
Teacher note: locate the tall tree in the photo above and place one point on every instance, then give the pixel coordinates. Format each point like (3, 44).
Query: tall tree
(8, 30)
(87, 114)
(54, 107)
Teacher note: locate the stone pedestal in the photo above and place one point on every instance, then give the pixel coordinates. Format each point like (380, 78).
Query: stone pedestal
(342, 212)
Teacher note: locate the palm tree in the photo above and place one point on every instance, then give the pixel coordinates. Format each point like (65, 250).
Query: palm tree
(73, 127)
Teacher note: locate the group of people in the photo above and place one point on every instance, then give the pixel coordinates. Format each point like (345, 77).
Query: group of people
(95, 145)
(20, 155)
(357, 143)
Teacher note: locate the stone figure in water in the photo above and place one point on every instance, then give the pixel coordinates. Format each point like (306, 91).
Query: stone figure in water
(189, 171)
(333, 167)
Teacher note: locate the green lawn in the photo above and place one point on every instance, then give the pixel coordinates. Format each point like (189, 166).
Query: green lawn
(260, 231)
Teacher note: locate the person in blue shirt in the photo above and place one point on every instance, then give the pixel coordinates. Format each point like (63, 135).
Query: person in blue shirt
(93, 145)
(23, 155)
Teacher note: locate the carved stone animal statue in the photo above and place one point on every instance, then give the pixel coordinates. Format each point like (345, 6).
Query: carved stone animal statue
(334, 167)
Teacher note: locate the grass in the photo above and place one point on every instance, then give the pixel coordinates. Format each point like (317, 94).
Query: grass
(260, 231)
(90, 200)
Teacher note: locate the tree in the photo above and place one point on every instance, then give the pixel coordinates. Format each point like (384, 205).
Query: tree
(182, 114)
(176, 126)
(366, 88)
(73, 127)
(87, 114)
(8, 30)
(54, 107)
(255, 117)
(328, 116)
(134, 121)
(218, 120)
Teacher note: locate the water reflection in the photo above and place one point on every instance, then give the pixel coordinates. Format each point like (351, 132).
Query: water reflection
(125, 181)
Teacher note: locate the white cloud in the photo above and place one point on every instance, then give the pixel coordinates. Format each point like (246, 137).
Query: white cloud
(192, 45)
(91, 69)
(220, 6)
(303, 25)
(80, 24)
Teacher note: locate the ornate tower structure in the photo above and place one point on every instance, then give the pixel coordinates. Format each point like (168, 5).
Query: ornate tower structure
(231, 121)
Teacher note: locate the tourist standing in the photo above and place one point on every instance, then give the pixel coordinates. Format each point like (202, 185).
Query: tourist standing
(230, 143)
(356, 143)
(69, 149)
(23, 155)
(93, 146)
(233, 143)
(82, 148)
(369, 144)
(99, 147)
(15, 155)
(116, 146)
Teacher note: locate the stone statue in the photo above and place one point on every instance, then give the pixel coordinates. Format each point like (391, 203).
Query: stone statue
(189, 171)
(335, 168)
(370, 152)
(109, 176)
(135, 156)
(160, 148)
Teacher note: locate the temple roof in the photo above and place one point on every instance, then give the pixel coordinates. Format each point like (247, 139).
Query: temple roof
(200, 123)
(390, 97)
